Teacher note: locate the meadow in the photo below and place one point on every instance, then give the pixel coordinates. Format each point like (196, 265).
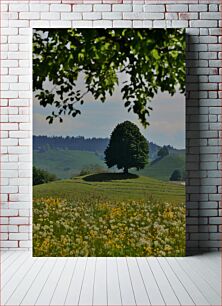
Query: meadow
(109, 215)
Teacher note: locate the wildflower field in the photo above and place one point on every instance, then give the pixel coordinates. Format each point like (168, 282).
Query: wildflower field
(90, 224)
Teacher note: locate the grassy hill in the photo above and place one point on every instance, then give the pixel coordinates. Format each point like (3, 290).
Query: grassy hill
(162, 169)
(65, 163)
(111, 188)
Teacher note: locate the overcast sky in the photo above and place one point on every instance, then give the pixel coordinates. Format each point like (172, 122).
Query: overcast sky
(167, 120)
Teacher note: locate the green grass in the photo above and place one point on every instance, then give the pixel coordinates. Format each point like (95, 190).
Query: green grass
(163, 168)
(142, 187)
(65, 163)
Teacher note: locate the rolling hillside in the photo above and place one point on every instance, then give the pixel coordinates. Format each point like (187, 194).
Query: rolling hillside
(135, 188)
(65, 163)
(163, 168)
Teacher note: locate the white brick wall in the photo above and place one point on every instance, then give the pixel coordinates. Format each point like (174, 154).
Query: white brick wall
(202, 20)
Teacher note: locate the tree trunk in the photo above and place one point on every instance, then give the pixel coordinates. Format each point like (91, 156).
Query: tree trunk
(125, 171)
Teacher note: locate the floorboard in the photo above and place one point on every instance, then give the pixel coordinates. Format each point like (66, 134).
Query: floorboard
(28, 280)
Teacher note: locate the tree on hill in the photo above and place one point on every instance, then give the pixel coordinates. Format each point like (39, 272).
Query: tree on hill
(41, 176)
(152, 60)
(127, 148)
(176, 175)
(164, 151)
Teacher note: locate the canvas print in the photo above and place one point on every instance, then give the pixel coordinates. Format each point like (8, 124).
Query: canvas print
(108, 142)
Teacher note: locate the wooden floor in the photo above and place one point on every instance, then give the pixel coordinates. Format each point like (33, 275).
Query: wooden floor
(110, 281)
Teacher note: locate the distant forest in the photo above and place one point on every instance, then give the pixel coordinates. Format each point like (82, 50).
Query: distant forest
(42, 143)
(45, 143)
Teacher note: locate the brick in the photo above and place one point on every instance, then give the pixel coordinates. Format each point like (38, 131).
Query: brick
(8, 244)
(154, 8)
(82, 8)
(18, 220)
(137, 7)
(122, 7)
(199, 7)
(208, 16)
(18, 236)
(135, 15)
(188, 16)
(71, 16)
(82, 23)
(18, 7)
(51, 16)
(94, 15)
(29, 15)
(102, 23)
(102, 7)
(60, 24)
(112, 15)
(39, 7)
(60, 8)
(177, 8)
(25, 244)
(203, 23)
(122, 23)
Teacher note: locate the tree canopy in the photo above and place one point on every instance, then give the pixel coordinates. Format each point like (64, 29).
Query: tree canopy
(153, 59)
(163, 151)
(127, 148)
(176, 175)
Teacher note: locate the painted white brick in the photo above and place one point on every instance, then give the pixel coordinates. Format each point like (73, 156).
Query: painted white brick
(147, 23)
(215, 63)
(18, 7)
(161, 23)
(82, 23)
(102, 23)
(39, 7)
(213, 7)
(19, 71)
(138, 15)
(19, 102)
(50, 16)
(138, 23)
(171, 16)
(9, 212)
(122, 23)
(9, 142)
(8, 244)
(3, 220)
(9, 63)
(121, 7)
(82, 8)
(19, 118)
(208, 15)
(203, 23)
(93, 15)
(177, 8)
(60, 8)
(138, 8)
(18, 23)
(9, 126)
(9, 94)
(154, 8)
(9, 228)
(102, 7)
(71, 16)
(29, 15)
(13, 47)
(60, 24)
(9, 173)
(9, 31)
(24, 229)
(18, 236)
(179, 23)
(39, 23)
(25, 244)
(112, 15)
(199, 8)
